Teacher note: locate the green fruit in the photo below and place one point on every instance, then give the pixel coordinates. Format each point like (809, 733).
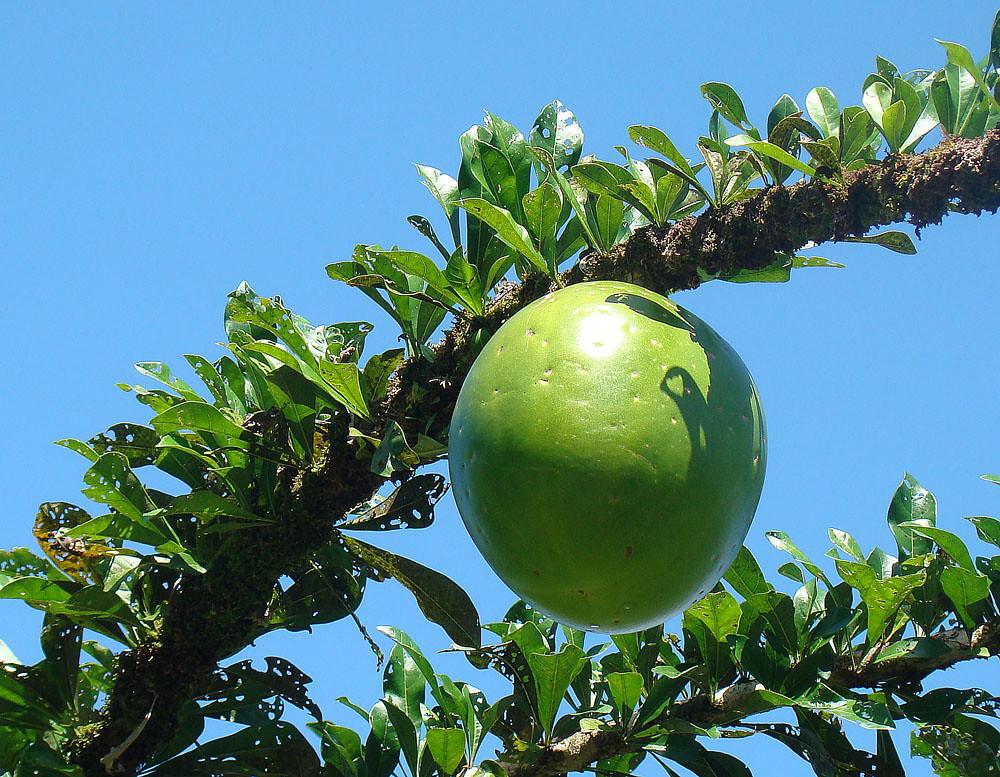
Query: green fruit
(607, 455)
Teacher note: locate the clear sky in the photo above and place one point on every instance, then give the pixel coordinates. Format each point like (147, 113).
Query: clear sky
(152, 157)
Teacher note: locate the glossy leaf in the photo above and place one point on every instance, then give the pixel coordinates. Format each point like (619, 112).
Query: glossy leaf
(949, 542)
(965, 589)
(447, 746)
(769, 150)
(552, 674)
(911, 503)
(824, 110)
(557, 132)
(625, 689)
(883, 597)
(726, 101)
(987, 528)
(959, 55)
(509, 231)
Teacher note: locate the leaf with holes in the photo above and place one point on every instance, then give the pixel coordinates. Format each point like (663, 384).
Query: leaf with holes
(557, 132)
(275, 748)
(411, 506)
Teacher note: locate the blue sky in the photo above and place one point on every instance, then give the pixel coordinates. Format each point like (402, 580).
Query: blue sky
(151, 157)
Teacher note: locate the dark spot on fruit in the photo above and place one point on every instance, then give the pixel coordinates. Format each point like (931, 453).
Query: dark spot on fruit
(537, 573)
(530, 332)
(581, 593)
(628, 552)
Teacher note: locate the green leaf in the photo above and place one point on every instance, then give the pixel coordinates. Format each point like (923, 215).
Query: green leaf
(197, 417)
(406, 735)
(657, 140)
(445, 191)
(824, 110)
(781, 541)
(959, 55)
(866, 713)
(382, 746)
(896, 241)
(719, 611)
(877, 99)
(161, 372)
(625, 689)
(341, 747)
(745, 575)
(882, 597)
(410, 506)
(965, 589)
(345, 379)
(713, 620)
(542, 212)
(824, 155)
(406, 643)
(327, 589)
(21, 562)
(726, 101)
(552, 674)
(950, 543)
(846, 543)
(509, 231)
(995, 43)
(557, 132)
(792, 571)
(403, 684)
(911, 503)
(378, 369)
(608, 214)
(122, 527)
(806, 601)
(784, 107)
(276, 748)
(769, 150)
(967, 747)
(464, 282)
(447, 745)
(955, 96)
(208, 505)
(894, 121)
(420, 266)
(112, 482)
(859, 137)
(440, 600)
(987, 528)
(135, 442)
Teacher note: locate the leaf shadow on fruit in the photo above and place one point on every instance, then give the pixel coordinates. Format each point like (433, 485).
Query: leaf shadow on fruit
(650, 309)
(693, 407)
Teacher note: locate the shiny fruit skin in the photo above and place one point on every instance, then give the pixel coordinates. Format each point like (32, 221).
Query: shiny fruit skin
(607, 454)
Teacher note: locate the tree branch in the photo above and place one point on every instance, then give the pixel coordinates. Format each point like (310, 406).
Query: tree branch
(730, 704)
(216, 614)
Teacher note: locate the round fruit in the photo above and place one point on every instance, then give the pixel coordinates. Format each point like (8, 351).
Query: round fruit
(607, 455)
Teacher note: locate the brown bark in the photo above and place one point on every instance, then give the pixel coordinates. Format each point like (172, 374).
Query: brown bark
(216, 614)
